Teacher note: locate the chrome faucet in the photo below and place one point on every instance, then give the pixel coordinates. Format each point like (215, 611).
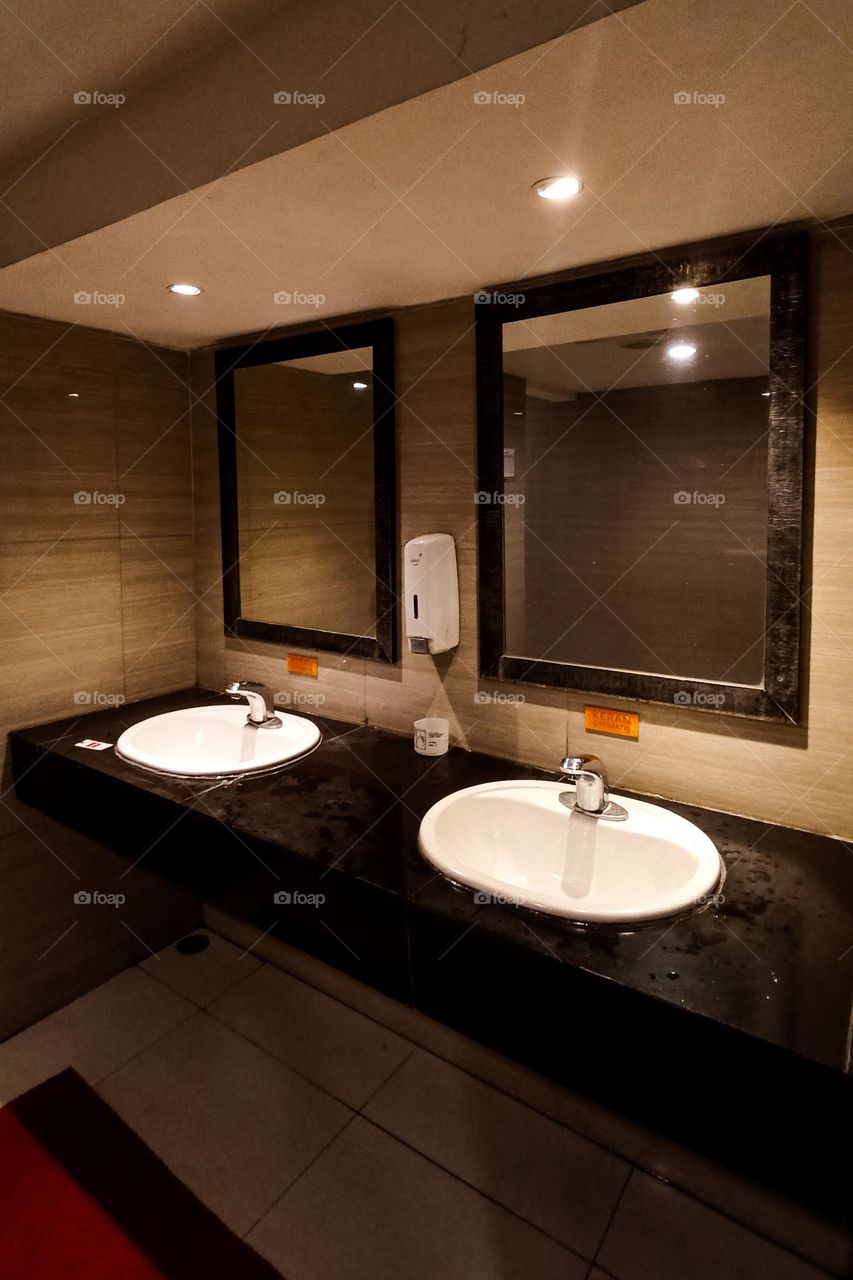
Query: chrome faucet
(592, 795)
(261, 703)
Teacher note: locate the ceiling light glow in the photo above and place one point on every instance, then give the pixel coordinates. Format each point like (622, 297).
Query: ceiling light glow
(360, 386)
(185, 290)
(557, 188)
(685, 296)
(681, 352)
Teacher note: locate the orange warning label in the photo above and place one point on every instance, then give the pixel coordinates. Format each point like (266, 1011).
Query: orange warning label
(299, 664)
(619, 724)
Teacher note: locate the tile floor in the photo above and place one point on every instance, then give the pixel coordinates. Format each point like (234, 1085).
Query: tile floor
(343, 1151)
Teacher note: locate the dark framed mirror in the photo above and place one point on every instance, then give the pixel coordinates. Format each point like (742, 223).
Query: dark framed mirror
(640, 477)
(308, 489)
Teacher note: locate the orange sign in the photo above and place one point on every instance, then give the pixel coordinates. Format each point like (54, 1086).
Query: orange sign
(299, 664)
(619, 724)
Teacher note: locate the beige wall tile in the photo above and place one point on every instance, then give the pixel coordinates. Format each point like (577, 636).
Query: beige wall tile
(80, 608)
(158, 615)
(436, 443)
(56, 433)
(153, 440)
(532, 731)
(60, 629)
(206, 525)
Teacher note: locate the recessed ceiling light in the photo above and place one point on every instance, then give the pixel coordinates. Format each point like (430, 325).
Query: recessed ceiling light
(185, 290)
(681, 352)
(685, 296)
(557, 188)
(360, 386)
(75, 395)
(766, 394)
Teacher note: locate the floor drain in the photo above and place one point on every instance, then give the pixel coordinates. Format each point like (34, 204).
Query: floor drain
(192, 945)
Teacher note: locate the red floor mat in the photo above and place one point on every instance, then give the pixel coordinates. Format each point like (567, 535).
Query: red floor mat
(83, 1198)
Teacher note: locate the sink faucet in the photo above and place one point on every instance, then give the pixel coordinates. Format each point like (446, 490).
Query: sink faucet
(592, 795)
(261, 703)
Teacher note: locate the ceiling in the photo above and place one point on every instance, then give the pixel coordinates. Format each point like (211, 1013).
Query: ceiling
(114, 109)
(51, 49)
(431, 198)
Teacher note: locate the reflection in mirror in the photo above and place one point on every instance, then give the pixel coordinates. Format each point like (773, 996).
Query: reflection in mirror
(636, 484)
(305, 485)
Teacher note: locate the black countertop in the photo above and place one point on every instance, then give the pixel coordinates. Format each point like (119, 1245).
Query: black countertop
(774, 960)
(725, 1030)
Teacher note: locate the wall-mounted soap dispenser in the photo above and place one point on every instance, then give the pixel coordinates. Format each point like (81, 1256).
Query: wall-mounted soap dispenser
(432, 593)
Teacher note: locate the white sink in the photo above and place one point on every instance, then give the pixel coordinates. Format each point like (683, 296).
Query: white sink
(516, 841)
(215, 742)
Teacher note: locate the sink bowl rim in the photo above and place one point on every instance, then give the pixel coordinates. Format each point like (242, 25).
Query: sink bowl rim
(214, 774)
(516, 895)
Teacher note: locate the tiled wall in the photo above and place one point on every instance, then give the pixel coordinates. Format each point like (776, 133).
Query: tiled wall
(797, 777)
(95, 603)
(96, 594)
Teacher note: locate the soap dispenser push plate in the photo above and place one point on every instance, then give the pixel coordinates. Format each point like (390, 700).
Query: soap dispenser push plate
(431, 586)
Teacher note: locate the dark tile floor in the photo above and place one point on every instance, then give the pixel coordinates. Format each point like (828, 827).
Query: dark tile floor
(343, 1150)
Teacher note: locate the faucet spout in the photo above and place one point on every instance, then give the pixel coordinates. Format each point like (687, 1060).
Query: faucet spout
(592, 794)
(261, 703)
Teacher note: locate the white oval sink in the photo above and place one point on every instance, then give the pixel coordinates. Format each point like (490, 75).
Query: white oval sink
(215, 742)
(516, 841)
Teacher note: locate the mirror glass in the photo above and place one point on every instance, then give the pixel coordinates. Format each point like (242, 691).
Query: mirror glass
(305, 492)
(636, 484)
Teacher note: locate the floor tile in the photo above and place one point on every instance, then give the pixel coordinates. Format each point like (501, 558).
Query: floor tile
(372, 1209)
(96, 1034)
(205, 975)
(789, 1224)
(659, 1233)
(555, 1179)
(337, 1048)
(766, 1212)
(233, 1123)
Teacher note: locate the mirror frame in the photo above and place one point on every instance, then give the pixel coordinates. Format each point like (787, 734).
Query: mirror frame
(378, 334)
(784, 257)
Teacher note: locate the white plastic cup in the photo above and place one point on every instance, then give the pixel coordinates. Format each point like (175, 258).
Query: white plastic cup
(432, 736)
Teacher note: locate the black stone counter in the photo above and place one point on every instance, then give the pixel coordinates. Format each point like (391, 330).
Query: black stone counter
(727, 1029)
